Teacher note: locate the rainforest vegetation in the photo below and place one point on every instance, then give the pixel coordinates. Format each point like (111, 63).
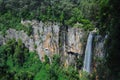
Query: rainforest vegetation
(18, 63)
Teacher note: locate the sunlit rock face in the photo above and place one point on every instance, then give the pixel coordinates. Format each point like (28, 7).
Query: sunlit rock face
(46, 37)
(49, 38)
(76, 40)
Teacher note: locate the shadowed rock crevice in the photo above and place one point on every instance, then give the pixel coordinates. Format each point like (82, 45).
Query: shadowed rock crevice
(63, 41)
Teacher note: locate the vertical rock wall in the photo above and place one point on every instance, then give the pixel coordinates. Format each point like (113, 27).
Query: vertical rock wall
(49, 38)
(99, 49)
(98, 52)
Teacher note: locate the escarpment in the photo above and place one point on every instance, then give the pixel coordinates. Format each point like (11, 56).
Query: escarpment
(50, 38)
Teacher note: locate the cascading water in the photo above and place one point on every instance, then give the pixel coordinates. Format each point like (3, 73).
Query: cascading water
(88, 53)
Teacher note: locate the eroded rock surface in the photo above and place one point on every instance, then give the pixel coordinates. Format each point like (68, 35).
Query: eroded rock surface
(48, 39)
(99, 48)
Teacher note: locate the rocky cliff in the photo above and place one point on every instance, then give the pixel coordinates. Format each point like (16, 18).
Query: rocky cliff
(99, 46)
(98, 52)
(50, 38)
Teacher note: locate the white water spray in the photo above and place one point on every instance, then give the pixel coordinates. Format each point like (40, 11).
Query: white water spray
(88, 54)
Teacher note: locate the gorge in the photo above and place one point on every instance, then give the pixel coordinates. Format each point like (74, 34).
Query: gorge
(59, 39)
(77, 48)
(49, 39)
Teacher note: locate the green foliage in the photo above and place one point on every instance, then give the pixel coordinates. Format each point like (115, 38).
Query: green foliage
(20, 64)
(8, 20)
(90, 8)
(110, 24)
(2, 56)
(3, 65)
(85, 24)
(84, 76)
(56, 71)
(64, 11)
(101, 70)
(46, 60)
(23, 75)
(79, 62)
(29, 30)
(56, 60)
(17, 61)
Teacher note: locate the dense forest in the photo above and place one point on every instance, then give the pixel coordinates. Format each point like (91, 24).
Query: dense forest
(66, 12)
(18, 63)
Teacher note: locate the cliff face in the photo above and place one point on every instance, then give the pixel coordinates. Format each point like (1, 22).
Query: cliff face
(98, 52)
(71, 43)
(99, 46)
(49, 38)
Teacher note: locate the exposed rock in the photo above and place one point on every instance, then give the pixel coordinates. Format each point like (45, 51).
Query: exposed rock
(76, 38)
(49, 38)
(71, 40)
(99, 49)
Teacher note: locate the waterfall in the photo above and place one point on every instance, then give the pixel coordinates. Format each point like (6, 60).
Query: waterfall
(88, 54)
